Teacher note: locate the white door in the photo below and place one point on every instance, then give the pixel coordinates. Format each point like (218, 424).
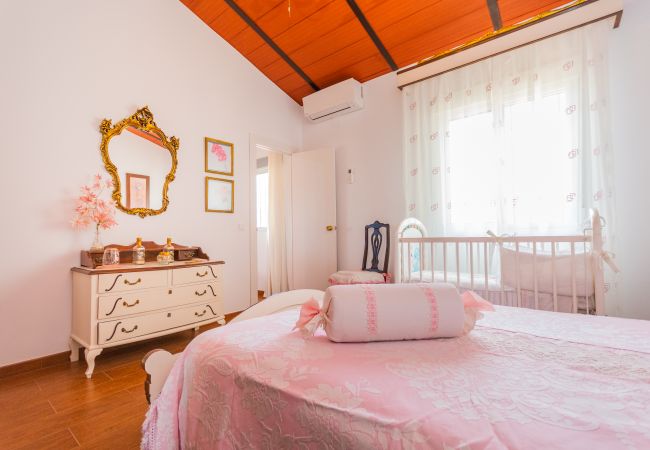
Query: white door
(313, 209)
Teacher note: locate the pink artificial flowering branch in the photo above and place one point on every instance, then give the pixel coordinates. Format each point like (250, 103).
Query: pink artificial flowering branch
(91, 208)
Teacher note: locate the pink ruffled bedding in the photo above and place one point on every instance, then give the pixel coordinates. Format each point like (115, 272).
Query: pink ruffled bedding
(522, 379)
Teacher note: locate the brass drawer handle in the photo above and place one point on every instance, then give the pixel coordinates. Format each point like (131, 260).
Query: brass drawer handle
(132, 283)
(202, 314)
(201, 275)
(200, 294)
(124, 303)
(124, 330)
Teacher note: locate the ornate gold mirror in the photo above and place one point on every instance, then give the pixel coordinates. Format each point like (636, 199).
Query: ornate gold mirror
(142, 161)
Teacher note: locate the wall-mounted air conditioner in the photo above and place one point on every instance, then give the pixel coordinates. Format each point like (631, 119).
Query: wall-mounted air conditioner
(336, 100)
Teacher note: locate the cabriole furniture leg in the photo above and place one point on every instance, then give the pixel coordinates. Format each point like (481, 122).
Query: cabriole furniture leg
(90, 360)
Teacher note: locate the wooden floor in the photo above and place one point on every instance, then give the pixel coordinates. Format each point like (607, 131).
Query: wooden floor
(59, 408)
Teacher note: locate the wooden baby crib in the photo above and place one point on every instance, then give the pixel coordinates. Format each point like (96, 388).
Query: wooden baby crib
(555, 273)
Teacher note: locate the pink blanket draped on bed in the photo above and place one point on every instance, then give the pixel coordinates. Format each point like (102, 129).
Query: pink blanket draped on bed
(522, 379)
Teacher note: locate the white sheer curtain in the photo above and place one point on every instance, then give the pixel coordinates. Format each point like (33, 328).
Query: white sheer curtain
(517, 143)
(278, 267)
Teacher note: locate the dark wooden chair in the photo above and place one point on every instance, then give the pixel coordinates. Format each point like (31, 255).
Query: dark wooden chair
(375, 242)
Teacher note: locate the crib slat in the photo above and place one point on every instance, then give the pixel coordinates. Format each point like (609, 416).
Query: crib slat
(402, 278)
(574, 308)
(421, 255)
(518, 275)
(444, 261)
(584, 264)
(485, 267)
(471, 267)
(503, 297)
(409, 262)
(554, 277)
(433, 270)
(535, 288)
(457, 265)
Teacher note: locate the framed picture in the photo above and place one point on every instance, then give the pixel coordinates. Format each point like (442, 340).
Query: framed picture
(137, 191)
(219, 195)
(219, 157)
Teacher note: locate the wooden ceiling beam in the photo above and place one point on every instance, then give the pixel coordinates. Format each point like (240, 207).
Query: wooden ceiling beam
(495, 14)
(372, 34)
(266, 38)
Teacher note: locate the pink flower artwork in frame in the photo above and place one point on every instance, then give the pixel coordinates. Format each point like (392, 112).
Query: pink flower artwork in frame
(219, 156)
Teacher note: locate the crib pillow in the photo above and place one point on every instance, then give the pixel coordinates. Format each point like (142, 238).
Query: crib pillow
(391, 312)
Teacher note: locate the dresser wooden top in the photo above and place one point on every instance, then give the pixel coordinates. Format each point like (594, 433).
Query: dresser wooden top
(121, 268)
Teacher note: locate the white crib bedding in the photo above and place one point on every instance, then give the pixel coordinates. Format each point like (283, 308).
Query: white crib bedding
(508, 296)
(464, 282)
(542, 267)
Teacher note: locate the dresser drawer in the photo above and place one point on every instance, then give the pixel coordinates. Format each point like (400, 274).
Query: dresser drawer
(135, 302)
(202, 292)
(131, 327)
(197, 274)
(128, 281)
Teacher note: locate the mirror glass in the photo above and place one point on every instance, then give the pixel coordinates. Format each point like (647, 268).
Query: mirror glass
(142, 162)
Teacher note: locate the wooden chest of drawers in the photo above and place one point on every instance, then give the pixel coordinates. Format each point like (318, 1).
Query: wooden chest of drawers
(116, 305)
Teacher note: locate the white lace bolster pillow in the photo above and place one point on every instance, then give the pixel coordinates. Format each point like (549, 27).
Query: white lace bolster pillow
(389, 312)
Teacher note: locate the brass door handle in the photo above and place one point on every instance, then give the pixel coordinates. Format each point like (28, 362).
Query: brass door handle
(202, 314)
(201, 274)
(205, 291)
(124, 303)
(132, 283)
(330, 228)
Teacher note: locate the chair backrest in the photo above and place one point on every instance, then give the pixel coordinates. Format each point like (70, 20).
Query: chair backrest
(375, 241)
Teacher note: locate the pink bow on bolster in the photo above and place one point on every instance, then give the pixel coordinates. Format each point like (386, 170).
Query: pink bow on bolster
(473, 304)
(472, 300)
(311, 317)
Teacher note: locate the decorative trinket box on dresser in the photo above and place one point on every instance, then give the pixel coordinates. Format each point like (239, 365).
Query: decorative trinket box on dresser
(123, 303)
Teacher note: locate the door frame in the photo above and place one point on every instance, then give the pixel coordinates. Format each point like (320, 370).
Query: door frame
(270, 145)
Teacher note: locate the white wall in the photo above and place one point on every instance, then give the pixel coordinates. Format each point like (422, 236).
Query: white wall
(368, 141)
(630, 101)
(66, 65)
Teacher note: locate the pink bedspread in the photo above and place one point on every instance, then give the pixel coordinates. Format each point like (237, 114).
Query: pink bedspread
(522, 379)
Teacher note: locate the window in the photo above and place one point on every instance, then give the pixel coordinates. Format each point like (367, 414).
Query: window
(516, 143)
(512, 174)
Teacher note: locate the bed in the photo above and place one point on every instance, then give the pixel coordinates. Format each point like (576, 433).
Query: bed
(522, 379)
